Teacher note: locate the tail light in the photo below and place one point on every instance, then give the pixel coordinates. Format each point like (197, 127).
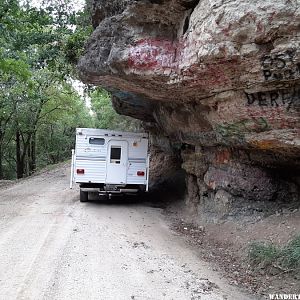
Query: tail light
(80, 171)
(140, 173)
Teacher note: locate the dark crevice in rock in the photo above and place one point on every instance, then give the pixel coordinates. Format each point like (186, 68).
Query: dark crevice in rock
(190, 4)
(186, 24)
(156, 1)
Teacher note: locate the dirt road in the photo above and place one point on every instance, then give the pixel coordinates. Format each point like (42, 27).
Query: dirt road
(54, 247)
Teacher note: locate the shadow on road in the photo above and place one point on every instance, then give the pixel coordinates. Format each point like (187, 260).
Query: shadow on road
(160, 196)
(151, 199)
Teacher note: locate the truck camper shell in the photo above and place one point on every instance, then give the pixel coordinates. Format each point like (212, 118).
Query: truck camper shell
(110, 162)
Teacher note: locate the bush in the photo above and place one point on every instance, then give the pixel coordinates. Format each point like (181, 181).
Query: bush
(290, 257)
(264, 255)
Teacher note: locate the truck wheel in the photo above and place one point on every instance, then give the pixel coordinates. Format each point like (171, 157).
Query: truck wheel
(83, 196)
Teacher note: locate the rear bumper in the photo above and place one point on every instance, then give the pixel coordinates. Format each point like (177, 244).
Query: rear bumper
(110, 191)
(121, 191)
(104, 189)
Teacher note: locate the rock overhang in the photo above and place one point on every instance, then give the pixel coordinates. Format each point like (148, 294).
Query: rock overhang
(208, 73)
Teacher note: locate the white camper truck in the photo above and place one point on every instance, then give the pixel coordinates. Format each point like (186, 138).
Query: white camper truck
(110, 162)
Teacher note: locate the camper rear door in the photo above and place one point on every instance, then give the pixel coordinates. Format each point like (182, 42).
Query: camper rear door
(117, 158)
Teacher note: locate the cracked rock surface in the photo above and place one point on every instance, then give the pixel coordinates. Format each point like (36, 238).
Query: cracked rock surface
(221, 79)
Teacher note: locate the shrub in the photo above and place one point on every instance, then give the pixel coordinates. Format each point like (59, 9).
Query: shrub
(290, 256)
(264, 255)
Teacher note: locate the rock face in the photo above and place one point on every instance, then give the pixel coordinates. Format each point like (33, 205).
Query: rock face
(220, 79)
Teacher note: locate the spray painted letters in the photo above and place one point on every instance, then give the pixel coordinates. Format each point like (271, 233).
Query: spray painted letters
(289, 98)
(280, 66)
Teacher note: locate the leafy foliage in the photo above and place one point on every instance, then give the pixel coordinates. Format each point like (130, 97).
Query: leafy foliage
(35, 96)
(39, 107)
(105, 115)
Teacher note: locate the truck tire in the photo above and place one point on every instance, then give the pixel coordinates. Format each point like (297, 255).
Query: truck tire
(83, 196)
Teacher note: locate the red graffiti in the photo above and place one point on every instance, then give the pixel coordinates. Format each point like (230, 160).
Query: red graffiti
(153, 53)
(158, 55)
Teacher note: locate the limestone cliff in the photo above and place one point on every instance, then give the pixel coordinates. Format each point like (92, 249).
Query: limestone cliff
(220, 79)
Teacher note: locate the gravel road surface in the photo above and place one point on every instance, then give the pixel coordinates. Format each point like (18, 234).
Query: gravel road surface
(54, 247)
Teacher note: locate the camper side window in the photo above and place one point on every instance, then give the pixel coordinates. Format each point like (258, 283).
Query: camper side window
(115, 154)
(96, 141)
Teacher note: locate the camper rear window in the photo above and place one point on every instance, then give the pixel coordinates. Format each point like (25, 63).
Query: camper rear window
(96, 141)
(115, 152)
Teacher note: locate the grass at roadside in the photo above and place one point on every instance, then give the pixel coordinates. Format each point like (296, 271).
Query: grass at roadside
(266, 255)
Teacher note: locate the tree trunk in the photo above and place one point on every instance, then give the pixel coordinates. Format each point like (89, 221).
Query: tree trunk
(24, 156)
(1, 155)
(32, 154)
(19, 159)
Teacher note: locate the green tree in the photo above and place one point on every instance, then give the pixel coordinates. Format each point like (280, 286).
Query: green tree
(106, 117)
(39, 108)
(60, 125)
(35, 68)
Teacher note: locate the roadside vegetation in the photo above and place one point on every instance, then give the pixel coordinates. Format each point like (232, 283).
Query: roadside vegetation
(40, 106)
(106, 117)
(267, 256)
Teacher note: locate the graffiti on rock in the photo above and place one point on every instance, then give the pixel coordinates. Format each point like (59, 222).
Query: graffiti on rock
(280, 66)
(289, 98)
(153, 53)
(166, 57)
(238, 129)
